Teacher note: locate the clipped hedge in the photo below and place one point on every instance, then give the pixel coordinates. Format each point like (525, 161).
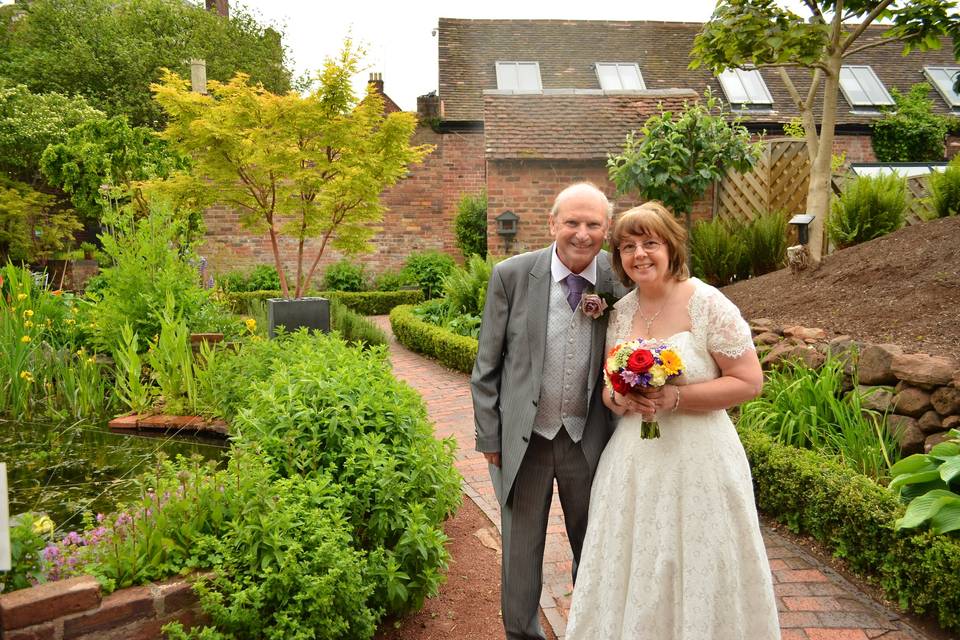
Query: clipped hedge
(456, 352)
(366, 303)
(854, 517)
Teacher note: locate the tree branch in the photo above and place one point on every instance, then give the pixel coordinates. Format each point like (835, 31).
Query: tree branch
(860, 28)
(869, 45)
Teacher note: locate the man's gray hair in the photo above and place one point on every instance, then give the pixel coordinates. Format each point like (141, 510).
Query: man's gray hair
(581, 186)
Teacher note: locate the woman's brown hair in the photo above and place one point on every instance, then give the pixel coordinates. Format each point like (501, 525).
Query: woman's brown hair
(651, 219)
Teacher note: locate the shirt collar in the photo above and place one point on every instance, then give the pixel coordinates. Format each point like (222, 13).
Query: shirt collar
(559, 271)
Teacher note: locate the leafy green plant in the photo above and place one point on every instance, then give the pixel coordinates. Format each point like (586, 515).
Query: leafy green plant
(428, 269)
(29, 535)
(910, 131)
(765, 242)
(452, 350)
(391, 281)
(808, 409)
(945, 190)
(715, 252)
(465, 289)
(344, 276)
(930, 484)
(868, 207)
(130, 387)
(470, 225)
(353, 327)
(262, 278)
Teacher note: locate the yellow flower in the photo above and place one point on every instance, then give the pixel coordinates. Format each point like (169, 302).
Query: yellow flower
(91, 360)
(21, 296)
(43, 525)
(25, 339)
(81, 352)
(251, 324)
(671, 362)
(26, 375)
(70, 321)
(27, 323)
(28, 313)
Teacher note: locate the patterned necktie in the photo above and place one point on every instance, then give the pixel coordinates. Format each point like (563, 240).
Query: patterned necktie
(575, 286)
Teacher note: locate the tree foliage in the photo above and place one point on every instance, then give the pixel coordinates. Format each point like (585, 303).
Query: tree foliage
(745, 33)
(31, 227)
(674, 158)
(911, 132)
(109, 51)
(307, 167)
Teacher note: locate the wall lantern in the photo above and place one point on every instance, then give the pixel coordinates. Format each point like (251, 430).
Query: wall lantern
(802, 222)
(507, 228)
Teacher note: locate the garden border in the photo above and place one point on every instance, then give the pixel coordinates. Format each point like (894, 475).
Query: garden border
(452, 350)
(367, 303)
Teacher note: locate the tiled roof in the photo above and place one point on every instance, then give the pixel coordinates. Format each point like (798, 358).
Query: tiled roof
(568, 125)
(568, 49)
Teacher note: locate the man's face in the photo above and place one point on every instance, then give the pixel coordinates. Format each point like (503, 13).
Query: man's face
(579, 228)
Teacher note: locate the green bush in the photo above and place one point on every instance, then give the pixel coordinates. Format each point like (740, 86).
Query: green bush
(868, 208)
(910, 132)
(945, 190)
(715, 252)
(765, 242)
(465, 290)
(354, 327)
(854, 516)
(366, 303)
(263, 276)
(452, 350)
(428, 270)
(344, 276)
(391, 281)
(470, 225)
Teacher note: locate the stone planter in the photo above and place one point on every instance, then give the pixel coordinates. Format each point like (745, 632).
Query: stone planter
(312, 313)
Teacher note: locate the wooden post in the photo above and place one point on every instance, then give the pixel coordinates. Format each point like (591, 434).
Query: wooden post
(5, 562)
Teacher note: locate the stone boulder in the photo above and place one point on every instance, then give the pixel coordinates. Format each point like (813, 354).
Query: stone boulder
(921, 369)
(763, 325)
(909, 437)
(911, 401)
(807, 334)
(934, 440)
(766, 338)
(930, 422)
(876, 398)
(875, 364)
(951, 422)
(946, 400)
(785, 351)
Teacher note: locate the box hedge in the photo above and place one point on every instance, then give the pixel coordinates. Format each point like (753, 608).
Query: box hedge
(366, 303)
(452, 350)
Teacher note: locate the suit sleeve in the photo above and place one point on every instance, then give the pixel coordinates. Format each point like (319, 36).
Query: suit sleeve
(488, 367)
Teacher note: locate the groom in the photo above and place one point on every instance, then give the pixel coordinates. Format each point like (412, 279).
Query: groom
(536, 393)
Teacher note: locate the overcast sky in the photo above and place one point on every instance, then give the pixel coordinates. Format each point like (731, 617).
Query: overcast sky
(399, 38)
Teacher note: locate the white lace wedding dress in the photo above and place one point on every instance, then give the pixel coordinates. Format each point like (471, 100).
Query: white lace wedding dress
(673, 548)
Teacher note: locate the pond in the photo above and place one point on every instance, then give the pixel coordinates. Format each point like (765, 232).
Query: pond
(64, 470)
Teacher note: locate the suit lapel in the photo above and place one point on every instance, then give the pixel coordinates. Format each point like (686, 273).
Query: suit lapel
(538, 305)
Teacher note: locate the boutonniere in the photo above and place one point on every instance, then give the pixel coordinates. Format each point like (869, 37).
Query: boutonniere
(593, 306)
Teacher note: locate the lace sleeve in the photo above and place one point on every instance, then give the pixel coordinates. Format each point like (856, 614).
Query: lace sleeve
(621, 318)
(725, 330)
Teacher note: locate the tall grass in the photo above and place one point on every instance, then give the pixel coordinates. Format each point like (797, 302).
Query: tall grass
(716, 252)
(808, 409)
(945, 190)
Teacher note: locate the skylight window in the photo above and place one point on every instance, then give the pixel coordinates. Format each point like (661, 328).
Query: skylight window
(862, 88)
(942, 78)
(518, 76)
(745, 87)
(619, 76)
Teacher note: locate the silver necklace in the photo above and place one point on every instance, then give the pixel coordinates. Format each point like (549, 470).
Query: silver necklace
(648, 323)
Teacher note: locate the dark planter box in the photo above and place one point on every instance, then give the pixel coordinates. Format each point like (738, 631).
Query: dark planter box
(313, 313)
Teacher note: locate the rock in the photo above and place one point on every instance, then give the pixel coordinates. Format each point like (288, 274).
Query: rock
(934, 440)
(930, 422)
(876, 398)
(808, 335)
(912, 402)
(909, 437)
(922, 369)
(946, 400)
(956, 380)
(847, 351)
(766, 338)
(875, 361)
(785, 351)
(951, 422)
(764, 325)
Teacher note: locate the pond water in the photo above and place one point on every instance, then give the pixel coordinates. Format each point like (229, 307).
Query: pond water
(64, 470)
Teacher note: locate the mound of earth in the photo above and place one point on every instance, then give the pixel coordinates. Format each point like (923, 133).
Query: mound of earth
(903, 288)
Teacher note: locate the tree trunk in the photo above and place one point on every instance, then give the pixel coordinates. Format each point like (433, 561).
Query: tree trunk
(818, 191)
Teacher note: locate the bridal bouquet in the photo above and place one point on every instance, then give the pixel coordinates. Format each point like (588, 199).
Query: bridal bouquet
(641, 364)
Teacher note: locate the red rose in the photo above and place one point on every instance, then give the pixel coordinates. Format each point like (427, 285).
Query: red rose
(640, 361)
(619, 385)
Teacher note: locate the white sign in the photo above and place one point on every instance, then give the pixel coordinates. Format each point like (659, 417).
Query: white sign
(4, 521)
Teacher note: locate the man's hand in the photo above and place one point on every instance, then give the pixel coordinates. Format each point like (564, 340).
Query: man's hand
(492, 458)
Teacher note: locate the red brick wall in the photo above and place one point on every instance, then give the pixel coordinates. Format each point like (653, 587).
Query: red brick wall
(858, 148)
(528, 188)
(420, 213)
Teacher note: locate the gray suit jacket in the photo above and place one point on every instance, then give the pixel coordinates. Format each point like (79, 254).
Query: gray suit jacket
(507, 373)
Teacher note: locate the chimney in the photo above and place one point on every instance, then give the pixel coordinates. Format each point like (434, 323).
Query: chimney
(376, 79)
(222, 7)
(198, 75)
(389, 106)
(428, 106)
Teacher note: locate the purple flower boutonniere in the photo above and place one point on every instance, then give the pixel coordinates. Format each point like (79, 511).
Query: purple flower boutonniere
(592, 305)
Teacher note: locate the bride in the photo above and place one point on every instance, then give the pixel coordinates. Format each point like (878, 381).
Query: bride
(673, 548)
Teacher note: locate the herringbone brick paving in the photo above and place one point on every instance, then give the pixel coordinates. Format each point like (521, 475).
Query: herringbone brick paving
(815, 603)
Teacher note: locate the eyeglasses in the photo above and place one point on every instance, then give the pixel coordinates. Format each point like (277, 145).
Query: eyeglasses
(648, 246)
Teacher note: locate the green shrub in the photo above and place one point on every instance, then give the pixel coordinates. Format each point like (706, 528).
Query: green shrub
(470, 225)
(428, 269)
(344, 276)
(765, 242)
(854, 516)
(354, 327)
(391, 281)
(868, 208)
(263, 277)
(29, 534)
(945, 190)
(715, 252)
(454, 351)
(465, 289)
(910, 132)
(366, 303)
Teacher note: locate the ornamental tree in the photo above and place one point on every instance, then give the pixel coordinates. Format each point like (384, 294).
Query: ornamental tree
(758, 33)
(675, 158)
(309, 167)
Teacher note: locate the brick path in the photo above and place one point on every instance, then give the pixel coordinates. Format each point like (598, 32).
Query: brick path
(815, 603)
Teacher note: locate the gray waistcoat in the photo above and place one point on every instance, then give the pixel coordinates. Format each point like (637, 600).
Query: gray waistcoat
(566, 360)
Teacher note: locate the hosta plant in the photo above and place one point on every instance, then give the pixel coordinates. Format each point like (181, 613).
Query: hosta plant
(930, 484)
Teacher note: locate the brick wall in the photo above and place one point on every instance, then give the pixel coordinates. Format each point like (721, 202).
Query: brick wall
(528, 188)
(858, 148)
(420, 213)
(75, 610)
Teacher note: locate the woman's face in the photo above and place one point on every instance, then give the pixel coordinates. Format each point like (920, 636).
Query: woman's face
(645, 258)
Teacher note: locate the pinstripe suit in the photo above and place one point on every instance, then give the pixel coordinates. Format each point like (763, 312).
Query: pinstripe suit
(506, 384)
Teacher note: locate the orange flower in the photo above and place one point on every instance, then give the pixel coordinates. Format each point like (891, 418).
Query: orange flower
(57, 292)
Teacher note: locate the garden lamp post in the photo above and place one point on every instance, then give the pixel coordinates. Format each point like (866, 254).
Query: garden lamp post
(507, 228)
(802, 222)
(798, 256)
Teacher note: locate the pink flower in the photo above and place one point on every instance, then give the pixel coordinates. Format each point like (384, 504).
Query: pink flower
(592, 305)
